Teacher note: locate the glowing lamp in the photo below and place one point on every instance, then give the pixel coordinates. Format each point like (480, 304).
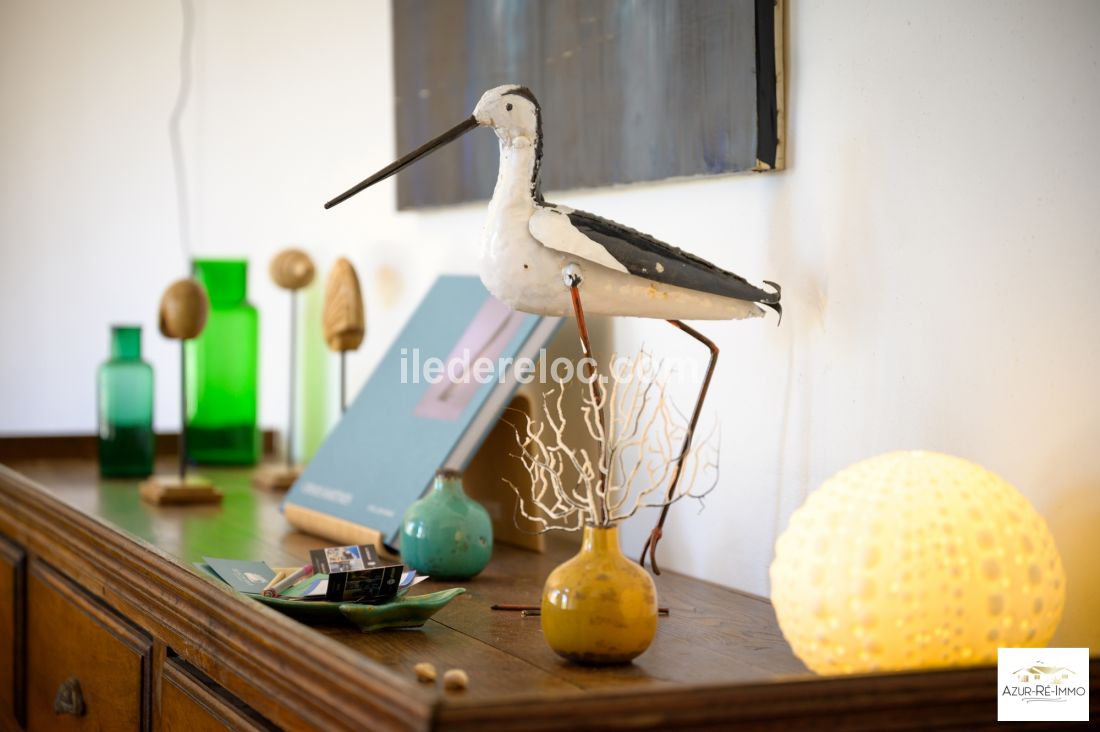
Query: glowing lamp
(915, 560)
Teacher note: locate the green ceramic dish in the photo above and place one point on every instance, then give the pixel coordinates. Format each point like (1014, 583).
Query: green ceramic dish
(404, 612)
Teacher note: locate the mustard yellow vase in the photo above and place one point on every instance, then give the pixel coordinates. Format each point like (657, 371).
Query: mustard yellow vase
(599, 607)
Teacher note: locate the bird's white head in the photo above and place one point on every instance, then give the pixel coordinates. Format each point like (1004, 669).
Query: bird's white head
(512, 111)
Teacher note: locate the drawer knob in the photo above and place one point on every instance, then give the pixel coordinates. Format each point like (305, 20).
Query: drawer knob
(69, 699)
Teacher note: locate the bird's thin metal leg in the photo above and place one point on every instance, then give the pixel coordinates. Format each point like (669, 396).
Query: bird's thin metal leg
(590, 370)
(658, 530)
(582, 327)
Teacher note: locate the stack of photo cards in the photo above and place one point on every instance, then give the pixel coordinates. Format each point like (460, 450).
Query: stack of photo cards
(356, 574)
(340, 574)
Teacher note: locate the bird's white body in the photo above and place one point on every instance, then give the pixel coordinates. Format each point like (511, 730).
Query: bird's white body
(526, 245)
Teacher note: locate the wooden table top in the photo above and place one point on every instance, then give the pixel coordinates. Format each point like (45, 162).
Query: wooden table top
(713, 635)
(718, 658)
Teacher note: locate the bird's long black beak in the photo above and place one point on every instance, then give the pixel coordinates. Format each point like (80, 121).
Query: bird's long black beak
(449, 136)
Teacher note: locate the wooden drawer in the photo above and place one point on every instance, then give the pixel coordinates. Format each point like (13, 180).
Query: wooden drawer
(87, 668)
(13, 566)
(191, 702)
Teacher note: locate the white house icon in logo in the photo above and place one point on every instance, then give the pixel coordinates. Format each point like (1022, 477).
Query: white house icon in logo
(1044, 674)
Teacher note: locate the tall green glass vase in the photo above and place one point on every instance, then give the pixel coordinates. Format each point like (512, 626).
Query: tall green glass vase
(223, 368)
(125, 405)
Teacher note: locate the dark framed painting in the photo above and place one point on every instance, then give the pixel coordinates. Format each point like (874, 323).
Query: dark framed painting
(631, 90)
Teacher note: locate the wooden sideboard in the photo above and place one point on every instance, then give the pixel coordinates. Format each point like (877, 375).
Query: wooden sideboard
(105, 624)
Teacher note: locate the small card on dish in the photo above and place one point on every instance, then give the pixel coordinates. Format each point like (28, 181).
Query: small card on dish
(371, 586)
(242, 575)
(337, 559)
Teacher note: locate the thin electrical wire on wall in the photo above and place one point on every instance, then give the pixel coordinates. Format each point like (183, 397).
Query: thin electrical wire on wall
(179, 170)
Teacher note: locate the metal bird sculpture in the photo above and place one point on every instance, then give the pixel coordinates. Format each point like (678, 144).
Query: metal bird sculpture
(536, 256)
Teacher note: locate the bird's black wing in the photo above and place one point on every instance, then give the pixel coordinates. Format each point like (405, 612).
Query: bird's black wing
(642, 255)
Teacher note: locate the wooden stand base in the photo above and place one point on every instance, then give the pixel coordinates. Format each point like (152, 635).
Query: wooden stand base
(275, 478)
(161, 490)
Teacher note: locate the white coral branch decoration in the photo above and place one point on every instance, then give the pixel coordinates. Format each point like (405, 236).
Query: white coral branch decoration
(638, 434)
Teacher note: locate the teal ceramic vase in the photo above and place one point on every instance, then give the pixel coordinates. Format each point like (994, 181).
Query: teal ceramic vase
(447, 534)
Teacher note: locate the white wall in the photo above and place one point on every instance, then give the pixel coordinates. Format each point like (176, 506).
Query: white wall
(936, 235)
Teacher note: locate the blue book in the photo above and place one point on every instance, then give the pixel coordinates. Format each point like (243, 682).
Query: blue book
(435, 396)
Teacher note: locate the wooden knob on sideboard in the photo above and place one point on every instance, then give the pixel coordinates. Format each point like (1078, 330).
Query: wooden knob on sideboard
(343, 320)
(292, 269)
(183, 310)
(69, 698)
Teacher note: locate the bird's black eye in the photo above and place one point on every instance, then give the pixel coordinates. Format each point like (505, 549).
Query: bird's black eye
(508, 106)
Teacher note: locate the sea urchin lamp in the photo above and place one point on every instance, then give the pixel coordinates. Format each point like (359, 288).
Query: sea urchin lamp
(915, 560)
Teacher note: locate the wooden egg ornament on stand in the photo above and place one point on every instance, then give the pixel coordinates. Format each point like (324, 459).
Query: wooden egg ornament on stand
(291, 269)
(343, 317)
(183, 310)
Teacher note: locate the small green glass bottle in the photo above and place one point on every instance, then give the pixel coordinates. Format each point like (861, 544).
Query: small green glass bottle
(223, 368)
(125, 405)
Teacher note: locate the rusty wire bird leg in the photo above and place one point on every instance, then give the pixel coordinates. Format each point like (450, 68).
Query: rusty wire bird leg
(573, 277)
(658, 530)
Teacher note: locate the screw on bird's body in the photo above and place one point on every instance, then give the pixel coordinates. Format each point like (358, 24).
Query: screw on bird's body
(536, 256)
